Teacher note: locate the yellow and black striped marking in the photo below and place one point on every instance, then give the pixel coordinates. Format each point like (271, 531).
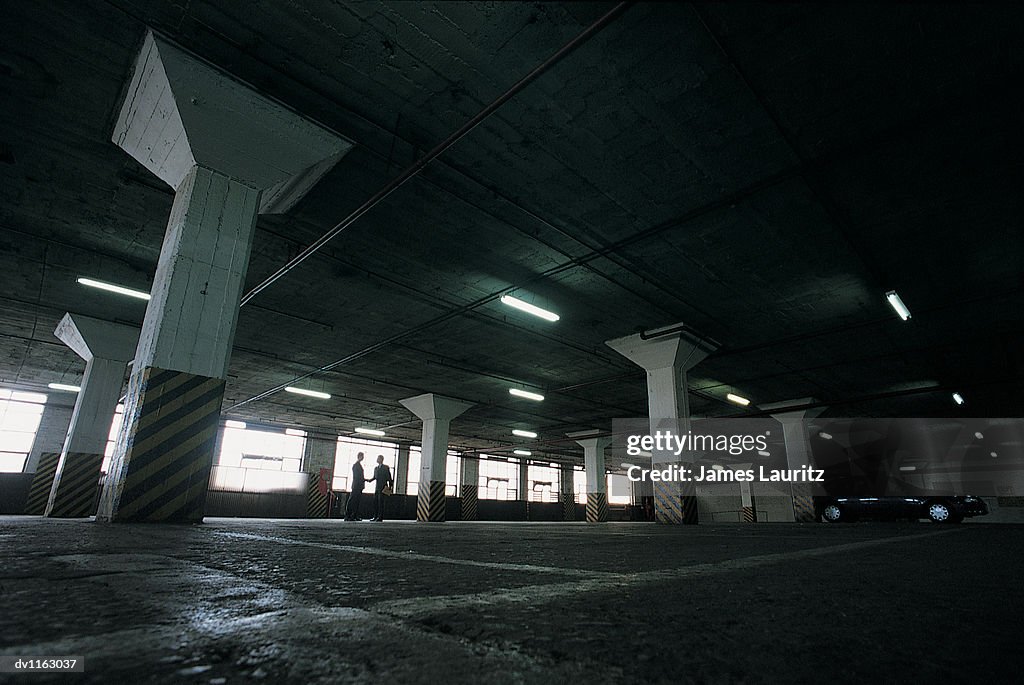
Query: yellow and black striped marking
(568, 506)
(469, 503)
(803, 503)
(668, 506)
(430, 504)
(42, 483)
(748, 515)
(75, 486)
(597, 507)
(171, 441)
(318, 502)
(688, 501)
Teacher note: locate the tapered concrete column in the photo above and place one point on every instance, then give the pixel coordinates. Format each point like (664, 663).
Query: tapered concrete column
(469, 482)
(46, 448)
(437, 413)
(106, 348)
(402, 470)
(597, 478)
(318, 459)
(798, 451)
(666, 356)
(229, 153)
(567, 488)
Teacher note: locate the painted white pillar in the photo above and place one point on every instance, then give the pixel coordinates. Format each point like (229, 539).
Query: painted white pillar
(667, 357)
(402, 470)
(45, 455)
(229, 153)
(106, 348)
(436, 412)
(597, 478)
(798, 453)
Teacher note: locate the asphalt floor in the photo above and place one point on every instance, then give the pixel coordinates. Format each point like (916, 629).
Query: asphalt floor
(329, 601)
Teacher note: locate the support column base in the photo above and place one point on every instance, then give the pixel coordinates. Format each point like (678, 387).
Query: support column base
(42, 483)
(430, 503)
(319, 494)
(803, 503)
(568, 506)
(171, 436)
(76, 486)
(675, 503)
(597, 507)
(469, 503)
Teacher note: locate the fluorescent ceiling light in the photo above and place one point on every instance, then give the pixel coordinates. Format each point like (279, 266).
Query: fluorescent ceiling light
(908, 468)
(979, 435)
(65, 387)
(523, 434)
(522, 453)
(526, 394)
(628, 465)
(764, 453)
(993, 454)
(308, 393)
(235, 424)
(529, 308)
(369, 431)
(742, 401)
(110, 287)
(295, 431)
(958, 398)
(825, 436)
(898, 305)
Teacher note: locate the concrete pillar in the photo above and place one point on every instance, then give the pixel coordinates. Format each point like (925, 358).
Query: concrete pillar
(46, 449)
(597, 478)
(566, 480)
(402, 470)
(318, 460)
(798, 452)
(667, 356)
(229, 153)
(469, 481)
(437, 413)
(106, 348)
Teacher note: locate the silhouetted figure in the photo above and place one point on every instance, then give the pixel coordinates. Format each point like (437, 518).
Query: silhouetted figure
(384, 483)
(358, 483)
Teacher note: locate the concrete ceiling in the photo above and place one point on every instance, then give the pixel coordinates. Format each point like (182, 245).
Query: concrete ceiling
(763, 173)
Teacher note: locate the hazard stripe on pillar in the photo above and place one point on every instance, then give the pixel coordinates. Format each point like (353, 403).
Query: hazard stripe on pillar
(568, 506)
(430, 504)
(748, 514)
(171, 441)
(318, 501)
(469, 503)
(688, 502)
(42, 483)
(75, 486)
(803, 503)
(668, 506)
(597, 507)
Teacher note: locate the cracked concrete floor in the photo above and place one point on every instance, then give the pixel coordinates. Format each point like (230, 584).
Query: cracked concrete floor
(237, 600)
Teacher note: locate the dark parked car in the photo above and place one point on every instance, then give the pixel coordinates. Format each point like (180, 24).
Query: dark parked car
(937, 509)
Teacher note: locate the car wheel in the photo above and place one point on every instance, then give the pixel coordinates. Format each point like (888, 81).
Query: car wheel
(832, 513)
(940, 512)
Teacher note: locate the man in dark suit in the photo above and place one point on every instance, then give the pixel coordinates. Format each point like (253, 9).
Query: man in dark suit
(383, 479)
(356, 494)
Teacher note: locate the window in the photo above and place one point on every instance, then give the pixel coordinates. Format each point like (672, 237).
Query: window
(542, 483)
(20, 413)
(499, 479)
(115, 427)
(579, 485)
(252, 460)
(345, 457)
(451, 476)
(619, 489)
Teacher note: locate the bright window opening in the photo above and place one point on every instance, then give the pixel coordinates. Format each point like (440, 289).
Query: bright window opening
(345, 457)
(253, 460)
(499, 479)
(542, 483)
(20, 413)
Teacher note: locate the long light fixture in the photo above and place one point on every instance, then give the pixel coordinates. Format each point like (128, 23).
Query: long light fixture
(308, 393)
(369, 431)
(742, 401)
(523, 434)
(231, 423)
(958, 398)
(64, 387)
(897, 304)
(529, 308)
(825, 436)
(522, 453)
(525, 394)
(110, 287)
